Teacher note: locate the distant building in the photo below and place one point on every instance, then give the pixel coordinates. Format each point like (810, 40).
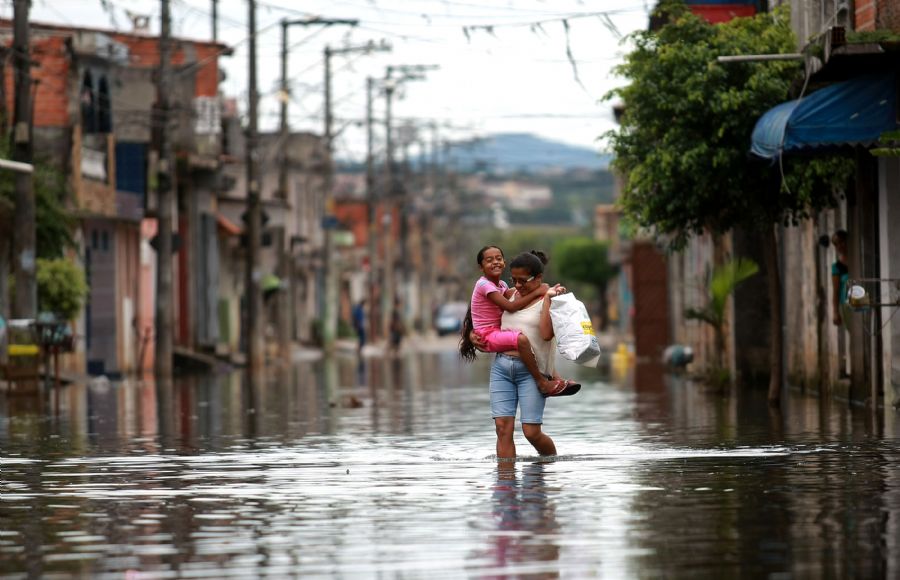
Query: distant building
(520, 195)
(94, 120)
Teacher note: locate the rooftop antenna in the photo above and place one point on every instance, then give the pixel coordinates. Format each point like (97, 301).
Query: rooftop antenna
(139, 22)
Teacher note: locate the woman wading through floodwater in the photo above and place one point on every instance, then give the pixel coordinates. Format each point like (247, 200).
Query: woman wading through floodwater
(511, 384)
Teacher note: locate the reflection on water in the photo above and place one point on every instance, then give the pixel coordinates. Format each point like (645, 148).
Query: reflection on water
(385, 468)
(524, 536)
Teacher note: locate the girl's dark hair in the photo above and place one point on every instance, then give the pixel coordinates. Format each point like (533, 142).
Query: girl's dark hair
(466, 347)
(481, 252)
(532, 261)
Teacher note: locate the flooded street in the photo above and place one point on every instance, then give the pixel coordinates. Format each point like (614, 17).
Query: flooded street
(386, 470)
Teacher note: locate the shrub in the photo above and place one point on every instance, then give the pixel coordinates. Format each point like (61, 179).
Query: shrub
(62, 288)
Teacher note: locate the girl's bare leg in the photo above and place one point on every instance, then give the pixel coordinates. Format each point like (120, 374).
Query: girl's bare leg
(527, 357)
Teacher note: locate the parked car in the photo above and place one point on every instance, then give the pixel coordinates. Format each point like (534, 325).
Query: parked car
(449, 317)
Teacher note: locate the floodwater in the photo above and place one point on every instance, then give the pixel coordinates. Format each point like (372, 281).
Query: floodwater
(386, 470)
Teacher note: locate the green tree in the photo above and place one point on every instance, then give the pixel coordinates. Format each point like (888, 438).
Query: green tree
(586, 260)
(684, 137)
(61, 287)
(54, 222)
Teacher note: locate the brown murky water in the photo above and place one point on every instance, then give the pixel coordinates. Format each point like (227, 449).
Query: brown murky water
(386, 470)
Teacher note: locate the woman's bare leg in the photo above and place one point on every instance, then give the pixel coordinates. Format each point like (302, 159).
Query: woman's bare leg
(538, 439)
(506, 447)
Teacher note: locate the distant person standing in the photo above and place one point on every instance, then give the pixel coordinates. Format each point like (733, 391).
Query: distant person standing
(840, 273)
(397, 328)
(359, 322)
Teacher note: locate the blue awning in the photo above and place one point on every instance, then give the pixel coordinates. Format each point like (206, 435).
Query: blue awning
(854, 112)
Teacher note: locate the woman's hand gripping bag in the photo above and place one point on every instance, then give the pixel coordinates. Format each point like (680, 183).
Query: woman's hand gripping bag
(575, 337)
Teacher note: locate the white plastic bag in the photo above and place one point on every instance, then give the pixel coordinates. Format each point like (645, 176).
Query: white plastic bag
(575, 337)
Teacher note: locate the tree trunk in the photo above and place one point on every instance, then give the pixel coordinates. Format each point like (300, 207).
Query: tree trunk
(776, 338)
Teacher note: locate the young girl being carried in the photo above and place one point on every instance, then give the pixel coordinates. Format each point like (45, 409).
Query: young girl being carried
(490, 298)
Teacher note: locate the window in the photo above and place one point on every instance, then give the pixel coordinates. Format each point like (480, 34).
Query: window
(88, 104)
(104, 108)
(96, 104)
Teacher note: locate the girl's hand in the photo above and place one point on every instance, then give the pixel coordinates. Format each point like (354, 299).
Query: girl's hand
(555, 291)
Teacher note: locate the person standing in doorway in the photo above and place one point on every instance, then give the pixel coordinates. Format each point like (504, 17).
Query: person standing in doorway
(840, 273)
(840, 314)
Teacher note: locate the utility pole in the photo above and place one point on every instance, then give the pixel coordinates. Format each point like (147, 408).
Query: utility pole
(405, 134)
(165, 188)
(406, 73)
(427, 227)
(24, 240)
(285, 91)
(252, 287)
(387, 293)
(215, 21)
(371, 213)
(284, 298)
(284, 136)
(331, 270)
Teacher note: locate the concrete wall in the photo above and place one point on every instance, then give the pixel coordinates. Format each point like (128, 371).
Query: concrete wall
(889, 188)
(689, 272)
(801, 282)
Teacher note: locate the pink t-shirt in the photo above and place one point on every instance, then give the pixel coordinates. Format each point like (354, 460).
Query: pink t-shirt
(486, 314)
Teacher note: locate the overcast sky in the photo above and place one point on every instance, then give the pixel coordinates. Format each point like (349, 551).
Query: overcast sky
(504, 65)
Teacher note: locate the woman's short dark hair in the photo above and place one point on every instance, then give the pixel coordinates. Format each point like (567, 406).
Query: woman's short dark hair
(532, 261)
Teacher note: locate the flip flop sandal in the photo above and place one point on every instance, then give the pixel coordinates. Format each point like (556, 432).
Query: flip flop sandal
(563, 389)
(571, 389)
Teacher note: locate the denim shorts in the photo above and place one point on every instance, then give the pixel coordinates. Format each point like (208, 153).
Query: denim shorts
(512, 385)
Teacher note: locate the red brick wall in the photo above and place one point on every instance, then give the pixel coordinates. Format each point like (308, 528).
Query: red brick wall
(145, 53)
(865, 15)
(716, 13)
(353, 215)
(51, 106)
(50, 51)
(649, 283)
(877, 15)
(888, 17)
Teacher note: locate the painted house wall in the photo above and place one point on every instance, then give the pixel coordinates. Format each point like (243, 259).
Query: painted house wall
(100, 268)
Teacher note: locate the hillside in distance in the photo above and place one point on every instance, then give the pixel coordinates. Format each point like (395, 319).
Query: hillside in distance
(523, 153)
